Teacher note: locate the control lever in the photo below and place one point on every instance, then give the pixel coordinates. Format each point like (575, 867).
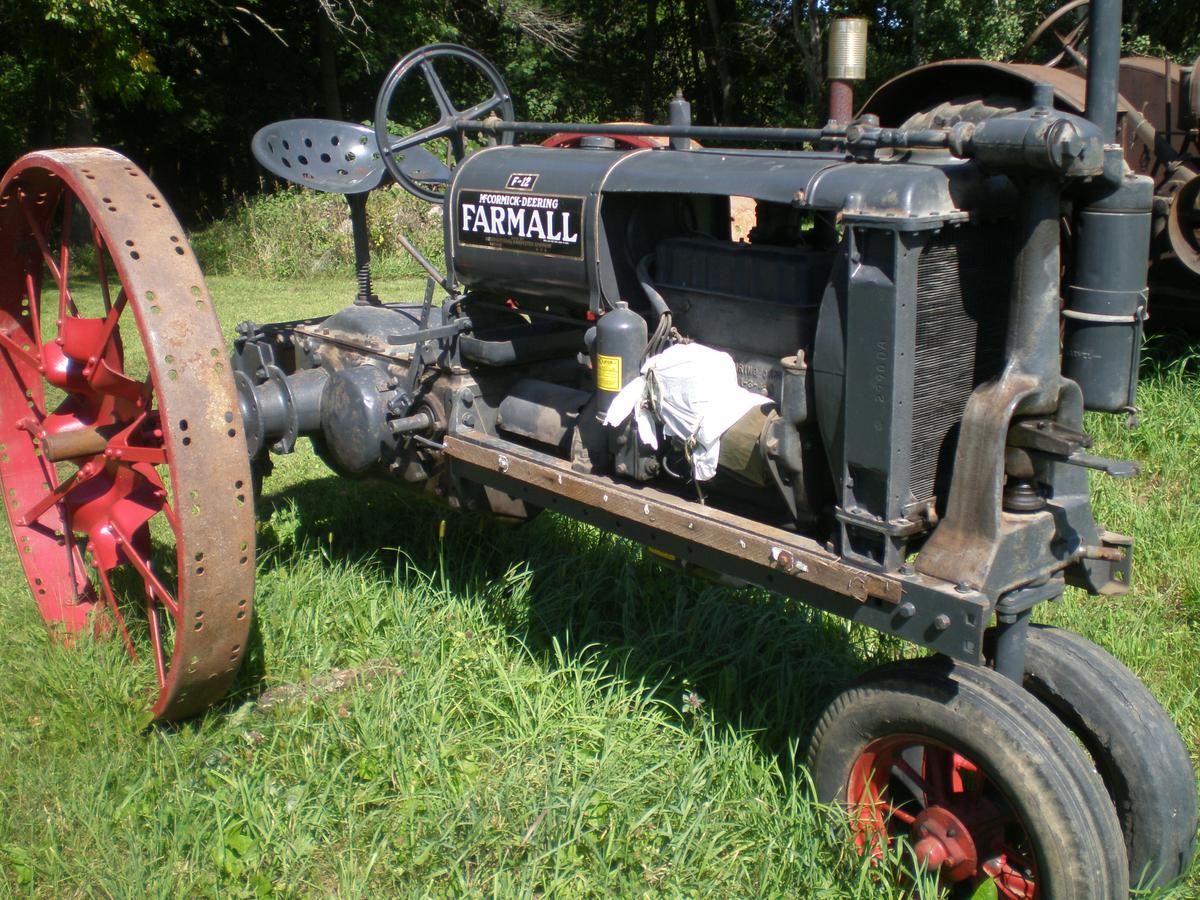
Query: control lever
(1117, 468)
(1049, 437)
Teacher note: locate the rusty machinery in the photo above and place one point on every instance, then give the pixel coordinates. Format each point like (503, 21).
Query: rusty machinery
(1158, 127)
(866, 407)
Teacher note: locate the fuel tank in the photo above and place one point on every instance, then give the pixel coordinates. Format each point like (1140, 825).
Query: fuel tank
(514, 221)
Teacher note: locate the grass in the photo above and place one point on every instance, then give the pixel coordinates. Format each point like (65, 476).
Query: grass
(492, 711)
(297, 233)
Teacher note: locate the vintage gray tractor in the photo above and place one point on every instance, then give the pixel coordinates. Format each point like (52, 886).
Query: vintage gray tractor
(873, 405)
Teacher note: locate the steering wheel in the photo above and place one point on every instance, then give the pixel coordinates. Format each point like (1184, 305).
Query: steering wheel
(450, 117)
(1068, 42)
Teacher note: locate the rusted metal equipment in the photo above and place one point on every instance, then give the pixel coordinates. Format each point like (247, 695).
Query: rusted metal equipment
(1157, 110)
(864, 405)
(125, 475)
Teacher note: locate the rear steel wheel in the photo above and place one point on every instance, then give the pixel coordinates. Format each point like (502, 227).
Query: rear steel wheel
(124, 471)
(981, 782)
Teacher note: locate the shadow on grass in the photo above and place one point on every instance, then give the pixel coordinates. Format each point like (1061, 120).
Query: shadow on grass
(756, 662)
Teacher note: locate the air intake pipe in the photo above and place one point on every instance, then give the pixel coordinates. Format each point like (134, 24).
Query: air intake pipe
(1106, 293)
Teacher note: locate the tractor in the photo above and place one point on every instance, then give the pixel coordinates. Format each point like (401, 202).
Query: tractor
(873, 404)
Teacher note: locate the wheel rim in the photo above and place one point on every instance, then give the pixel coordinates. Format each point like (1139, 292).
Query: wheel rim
(128, 494)
(957, 820)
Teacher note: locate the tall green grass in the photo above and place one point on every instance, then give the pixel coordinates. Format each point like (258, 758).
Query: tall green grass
(298, 233)
(537, 711)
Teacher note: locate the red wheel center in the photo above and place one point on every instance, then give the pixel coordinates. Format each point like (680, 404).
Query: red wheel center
(942, 841)
(959, 822)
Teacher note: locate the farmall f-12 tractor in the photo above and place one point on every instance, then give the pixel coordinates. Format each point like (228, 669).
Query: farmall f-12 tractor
(874, 405)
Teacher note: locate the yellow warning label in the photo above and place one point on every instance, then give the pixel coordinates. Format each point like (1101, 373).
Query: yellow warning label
(608, 373)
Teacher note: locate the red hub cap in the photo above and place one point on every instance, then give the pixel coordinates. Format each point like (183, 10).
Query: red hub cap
(956, 818)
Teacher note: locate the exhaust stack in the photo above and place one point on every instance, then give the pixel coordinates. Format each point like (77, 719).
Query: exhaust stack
(847, 62)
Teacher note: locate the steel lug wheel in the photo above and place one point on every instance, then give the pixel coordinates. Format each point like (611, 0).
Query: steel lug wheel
(123, 467)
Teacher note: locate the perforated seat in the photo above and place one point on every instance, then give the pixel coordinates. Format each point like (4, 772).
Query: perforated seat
(335, 157)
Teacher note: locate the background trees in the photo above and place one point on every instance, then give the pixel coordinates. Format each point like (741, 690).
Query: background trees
(181, 85)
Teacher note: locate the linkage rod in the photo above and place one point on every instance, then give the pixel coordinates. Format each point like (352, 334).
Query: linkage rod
(731, 133)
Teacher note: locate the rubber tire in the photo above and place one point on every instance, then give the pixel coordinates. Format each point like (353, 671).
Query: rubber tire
(1045, 774)
(1133, 743)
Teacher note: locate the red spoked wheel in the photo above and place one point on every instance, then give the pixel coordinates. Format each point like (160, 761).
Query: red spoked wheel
(957, 820)
(124, 470)
(975, 776)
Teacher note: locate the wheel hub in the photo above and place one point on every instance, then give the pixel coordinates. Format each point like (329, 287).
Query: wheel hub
(942, 841)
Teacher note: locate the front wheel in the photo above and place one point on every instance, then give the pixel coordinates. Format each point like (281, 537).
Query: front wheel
(975, 775)
(1133, 742)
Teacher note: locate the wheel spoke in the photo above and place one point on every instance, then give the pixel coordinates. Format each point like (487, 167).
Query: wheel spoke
(57, 494)
(917, 779)
(160, 666)
(898, 813)
(35, 308)
(152, 455)
(170, 514)
(64, 254)
(441, 129)
(440, 97)
(154, 587)
(122, 451)
(101, 268)
(40, 237)
(16, 350)
(111, 599)
(111, 315)
(479, 110)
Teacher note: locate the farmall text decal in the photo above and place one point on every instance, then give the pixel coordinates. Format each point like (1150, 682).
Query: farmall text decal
(529, 223)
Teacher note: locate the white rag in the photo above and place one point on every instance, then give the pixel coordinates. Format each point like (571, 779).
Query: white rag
(693, 390)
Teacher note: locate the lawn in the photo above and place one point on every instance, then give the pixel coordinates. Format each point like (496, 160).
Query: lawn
(435, 704)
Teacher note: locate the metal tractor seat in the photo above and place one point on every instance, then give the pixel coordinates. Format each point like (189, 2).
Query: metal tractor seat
(340, 158)
(336, 157)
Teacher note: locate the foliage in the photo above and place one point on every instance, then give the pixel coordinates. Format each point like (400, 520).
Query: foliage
(182, 85)
(299, 233)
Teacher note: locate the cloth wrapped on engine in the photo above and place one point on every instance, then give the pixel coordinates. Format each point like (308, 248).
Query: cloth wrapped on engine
(693, 392)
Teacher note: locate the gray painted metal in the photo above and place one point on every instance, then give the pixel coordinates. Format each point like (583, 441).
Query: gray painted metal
(335, 157)
(1104, 65)
(1106, 299)
(923, 611)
